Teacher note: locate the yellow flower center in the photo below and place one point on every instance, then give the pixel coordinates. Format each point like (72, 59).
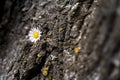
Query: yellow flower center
(35, 35)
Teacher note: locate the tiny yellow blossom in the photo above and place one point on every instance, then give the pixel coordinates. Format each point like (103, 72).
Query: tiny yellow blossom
(39, 55)
(76, 49)
(45, 71)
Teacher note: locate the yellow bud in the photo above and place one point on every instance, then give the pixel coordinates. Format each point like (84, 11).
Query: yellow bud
(76, 50)
(39, 55)
(45, 71)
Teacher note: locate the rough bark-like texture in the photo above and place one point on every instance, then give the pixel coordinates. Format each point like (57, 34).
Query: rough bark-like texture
(80, 40)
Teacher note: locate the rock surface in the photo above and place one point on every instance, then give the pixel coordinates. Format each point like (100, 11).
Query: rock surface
(80, 40)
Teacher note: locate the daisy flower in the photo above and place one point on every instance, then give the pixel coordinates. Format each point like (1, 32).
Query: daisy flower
(34, 34)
